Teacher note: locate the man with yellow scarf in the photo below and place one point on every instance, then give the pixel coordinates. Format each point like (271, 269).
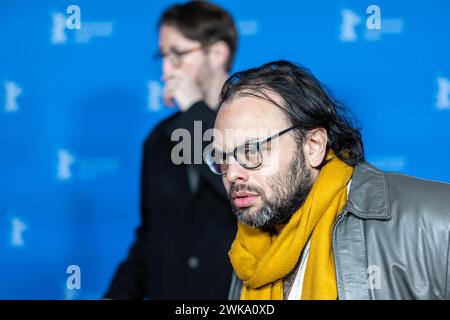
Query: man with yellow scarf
(315, 221)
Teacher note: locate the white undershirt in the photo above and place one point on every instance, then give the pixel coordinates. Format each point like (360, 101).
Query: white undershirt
(296, 291)
(297, 286)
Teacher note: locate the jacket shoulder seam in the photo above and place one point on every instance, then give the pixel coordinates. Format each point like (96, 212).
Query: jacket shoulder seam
(417, 178)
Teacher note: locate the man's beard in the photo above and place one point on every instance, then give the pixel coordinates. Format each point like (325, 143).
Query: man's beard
(289, 193)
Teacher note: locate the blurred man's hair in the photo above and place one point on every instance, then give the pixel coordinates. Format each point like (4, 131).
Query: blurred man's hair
(305, 101)
(204, 22)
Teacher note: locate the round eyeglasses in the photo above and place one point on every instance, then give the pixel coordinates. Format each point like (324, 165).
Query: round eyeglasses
(249, 155)
(175, 56)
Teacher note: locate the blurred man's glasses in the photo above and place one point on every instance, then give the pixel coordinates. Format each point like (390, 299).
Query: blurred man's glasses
(248, 155)
(175, 56)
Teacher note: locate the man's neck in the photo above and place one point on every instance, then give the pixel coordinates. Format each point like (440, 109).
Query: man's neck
(214, 86)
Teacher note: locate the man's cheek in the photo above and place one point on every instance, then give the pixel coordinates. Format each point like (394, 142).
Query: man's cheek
(272, 165)
(192, 67)
(201, 74)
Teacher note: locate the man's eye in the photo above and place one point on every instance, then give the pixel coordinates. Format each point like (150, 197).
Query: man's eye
(251, 152)
(175, 53)
(219, 157)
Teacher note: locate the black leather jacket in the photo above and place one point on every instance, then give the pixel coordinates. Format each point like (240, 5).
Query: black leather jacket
(391, 240)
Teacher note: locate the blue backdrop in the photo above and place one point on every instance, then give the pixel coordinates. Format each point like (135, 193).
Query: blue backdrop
(76, 105)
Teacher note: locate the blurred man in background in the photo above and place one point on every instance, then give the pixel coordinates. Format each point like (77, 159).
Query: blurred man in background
(180, 250)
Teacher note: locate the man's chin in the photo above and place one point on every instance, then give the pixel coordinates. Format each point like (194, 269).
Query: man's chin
(245, 215)
(252, 217)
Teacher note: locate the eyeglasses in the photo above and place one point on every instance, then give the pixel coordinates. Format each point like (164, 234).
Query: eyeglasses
(249, 155)
(175, 56)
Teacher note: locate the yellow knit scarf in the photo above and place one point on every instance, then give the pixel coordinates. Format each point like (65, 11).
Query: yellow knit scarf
(262, 260)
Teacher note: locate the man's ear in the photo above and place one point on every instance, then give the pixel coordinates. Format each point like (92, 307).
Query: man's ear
(315, 146)
(218, 54)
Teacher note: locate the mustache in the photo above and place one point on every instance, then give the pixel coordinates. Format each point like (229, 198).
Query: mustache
(244, 188)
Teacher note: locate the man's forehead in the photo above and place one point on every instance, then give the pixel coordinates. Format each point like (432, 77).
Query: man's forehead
(171, 38)
(247, 118)
(249, 112)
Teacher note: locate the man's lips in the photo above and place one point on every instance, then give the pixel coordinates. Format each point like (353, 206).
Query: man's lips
(243, 199)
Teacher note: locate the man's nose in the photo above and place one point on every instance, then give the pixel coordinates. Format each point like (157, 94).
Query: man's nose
(235, 172)
(167, 66)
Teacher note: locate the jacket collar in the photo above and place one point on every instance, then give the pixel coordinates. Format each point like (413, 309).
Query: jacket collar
(368, 196)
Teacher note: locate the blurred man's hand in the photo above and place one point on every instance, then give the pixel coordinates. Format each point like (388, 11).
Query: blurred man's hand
(181, 89)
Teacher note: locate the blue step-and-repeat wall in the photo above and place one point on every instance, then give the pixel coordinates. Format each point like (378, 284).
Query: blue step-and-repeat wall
(76, 105)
